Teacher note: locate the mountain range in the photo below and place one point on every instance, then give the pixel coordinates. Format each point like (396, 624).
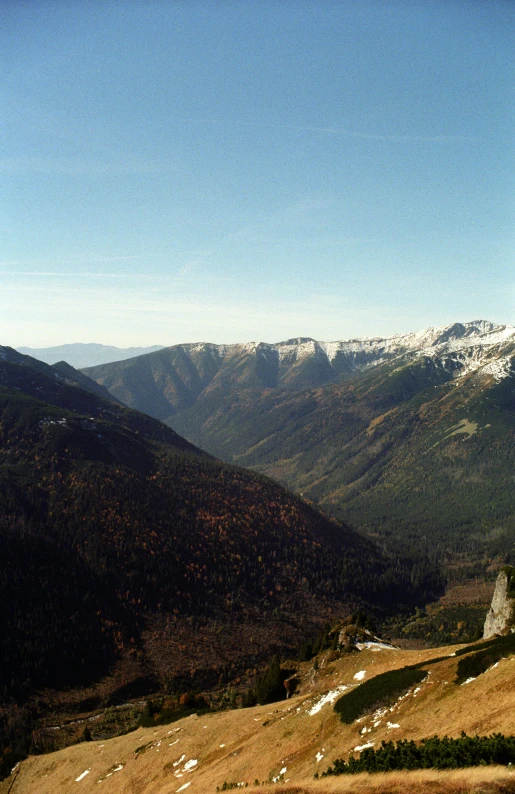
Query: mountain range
(84, 354)
(183, 373)
(408, 437)
(134, 562)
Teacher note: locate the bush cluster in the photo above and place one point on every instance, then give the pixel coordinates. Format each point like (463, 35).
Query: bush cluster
(377, 691)
(439, 753)
(268, 687)
(509, 570)
(162, 711)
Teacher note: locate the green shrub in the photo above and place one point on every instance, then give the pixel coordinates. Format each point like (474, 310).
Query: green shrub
(305, 652)
(377, 691)
(269, 686)
(510, 573)
(436, 753)
(157, 714)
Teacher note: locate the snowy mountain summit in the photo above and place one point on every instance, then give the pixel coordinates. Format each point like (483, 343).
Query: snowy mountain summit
(165, 382)
(461, 348)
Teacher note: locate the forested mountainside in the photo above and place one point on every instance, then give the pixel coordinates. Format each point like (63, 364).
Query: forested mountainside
(64, 387)
(118, 538)
(410, 438)
(60, 373)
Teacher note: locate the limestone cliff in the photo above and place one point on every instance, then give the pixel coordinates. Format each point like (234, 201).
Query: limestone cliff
(501, 613)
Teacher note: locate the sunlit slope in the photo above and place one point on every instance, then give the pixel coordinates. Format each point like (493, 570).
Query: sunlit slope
(292, 739)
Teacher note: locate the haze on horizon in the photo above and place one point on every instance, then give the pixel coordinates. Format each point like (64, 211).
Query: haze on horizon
(178, 172)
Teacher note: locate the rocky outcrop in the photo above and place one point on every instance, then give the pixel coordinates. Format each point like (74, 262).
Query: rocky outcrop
(500, 616)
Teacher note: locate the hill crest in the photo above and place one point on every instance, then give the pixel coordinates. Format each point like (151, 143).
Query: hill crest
(433, 341)
(165, 382)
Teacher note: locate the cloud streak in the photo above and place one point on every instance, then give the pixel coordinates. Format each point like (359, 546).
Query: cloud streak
(368, 136)
(347, 133)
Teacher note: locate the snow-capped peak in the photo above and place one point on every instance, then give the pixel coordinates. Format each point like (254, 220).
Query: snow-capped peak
(463, 348)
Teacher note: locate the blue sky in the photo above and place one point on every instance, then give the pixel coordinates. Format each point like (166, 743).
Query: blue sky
(235, 171)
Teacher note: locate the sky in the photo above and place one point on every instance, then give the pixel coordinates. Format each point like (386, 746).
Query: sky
(249, 170)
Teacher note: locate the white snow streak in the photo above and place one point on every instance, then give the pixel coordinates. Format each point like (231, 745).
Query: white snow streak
(361, 747)
(329, 698)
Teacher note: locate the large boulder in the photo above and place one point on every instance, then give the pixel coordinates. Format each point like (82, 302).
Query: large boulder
(500, 617)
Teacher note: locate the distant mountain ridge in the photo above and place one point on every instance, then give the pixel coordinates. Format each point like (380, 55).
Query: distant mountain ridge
(171, 379)
(85, 354)
(410, 436)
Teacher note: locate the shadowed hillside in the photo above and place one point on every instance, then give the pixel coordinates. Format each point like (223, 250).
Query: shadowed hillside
(130, 554)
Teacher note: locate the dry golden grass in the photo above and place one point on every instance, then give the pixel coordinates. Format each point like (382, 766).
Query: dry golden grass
(492, 780)
(249, 744)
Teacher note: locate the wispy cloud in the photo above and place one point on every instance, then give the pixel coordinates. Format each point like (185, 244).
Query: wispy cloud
(345, 132)
(84, 260)
(112, 258)
(185, 266)
(382, 137)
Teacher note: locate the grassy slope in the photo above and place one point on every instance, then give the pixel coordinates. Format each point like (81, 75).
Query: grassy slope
(242, 745)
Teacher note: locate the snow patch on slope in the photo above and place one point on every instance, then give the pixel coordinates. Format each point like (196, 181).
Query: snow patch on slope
(330, 697)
